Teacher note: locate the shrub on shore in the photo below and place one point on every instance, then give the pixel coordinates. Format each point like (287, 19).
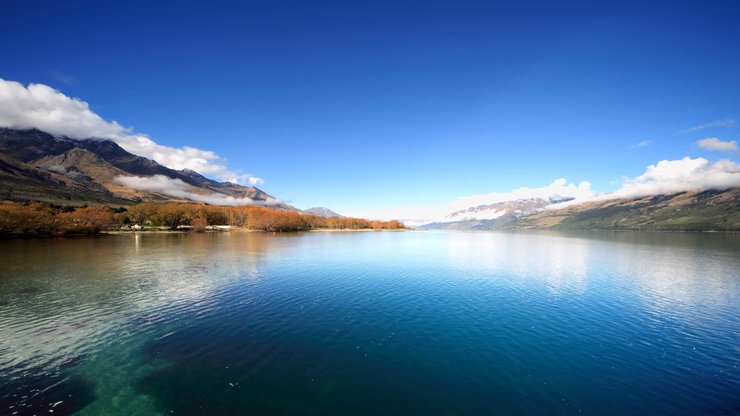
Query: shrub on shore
(43, 219)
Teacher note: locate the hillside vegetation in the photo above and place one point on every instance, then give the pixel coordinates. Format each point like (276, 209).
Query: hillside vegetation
(711, 210)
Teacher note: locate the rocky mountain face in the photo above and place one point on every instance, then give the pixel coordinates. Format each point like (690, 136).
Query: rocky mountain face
(23, 182)
(701, 210)
(36, 166)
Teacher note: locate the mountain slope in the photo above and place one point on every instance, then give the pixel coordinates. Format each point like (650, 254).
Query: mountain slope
(701, 210)
(91, 170)
(22, 182)
(708, 210)
(42, 167)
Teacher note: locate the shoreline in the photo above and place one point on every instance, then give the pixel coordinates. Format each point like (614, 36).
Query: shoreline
(249, 230)
(9, 236)
(356, 230)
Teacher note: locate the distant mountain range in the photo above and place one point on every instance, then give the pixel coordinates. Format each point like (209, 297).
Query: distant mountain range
(701, 210)
(322, 212)
(493, 216)
(37, 166)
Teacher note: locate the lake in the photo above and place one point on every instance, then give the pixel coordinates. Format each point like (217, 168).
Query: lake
(371, 323)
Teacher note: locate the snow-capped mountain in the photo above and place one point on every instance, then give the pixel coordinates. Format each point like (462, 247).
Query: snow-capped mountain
(486, 216)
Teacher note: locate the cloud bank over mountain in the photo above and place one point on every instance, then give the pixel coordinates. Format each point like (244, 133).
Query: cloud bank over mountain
(42, 107)
(179, 189)
(662, 178)
(673, 176)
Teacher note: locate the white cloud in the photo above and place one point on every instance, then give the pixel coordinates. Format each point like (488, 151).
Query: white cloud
(713, 143)
(664, 177)
(254, 181)
(643, 143)
(673, 176)
(42, 107)
(204, 162)
(179, 189)
(716, 123)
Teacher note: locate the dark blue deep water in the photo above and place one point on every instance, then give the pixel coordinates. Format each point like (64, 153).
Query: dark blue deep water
(384, 323)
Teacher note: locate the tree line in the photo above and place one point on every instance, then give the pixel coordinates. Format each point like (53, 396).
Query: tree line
(45, 219)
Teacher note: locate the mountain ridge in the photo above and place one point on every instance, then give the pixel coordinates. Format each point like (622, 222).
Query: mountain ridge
(697, 210)
(57, 169)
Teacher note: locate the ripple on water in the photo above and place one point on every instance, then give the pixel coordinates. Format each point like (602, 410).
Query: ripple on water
(40, 392)
(415, 323)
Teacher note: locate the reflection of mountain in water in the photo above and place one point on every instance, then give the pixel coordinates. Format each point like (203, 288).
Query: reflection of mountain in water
(144, 280)
(663, 268)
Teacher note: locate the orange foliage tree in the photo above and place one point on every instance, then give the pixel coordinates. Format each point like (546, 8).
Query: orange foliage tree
(85, 220)
(18, 218)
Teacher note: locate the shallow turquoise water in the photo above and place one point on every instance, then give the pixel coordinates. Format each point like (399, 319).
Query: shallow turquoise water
(427, 323)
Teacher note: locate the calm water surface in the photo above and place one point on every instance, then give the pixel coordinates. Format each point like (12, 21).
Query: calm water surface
(417, 323)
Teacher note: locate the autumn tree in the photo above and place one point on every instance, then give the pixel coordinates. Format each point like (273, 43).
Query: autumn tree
(85, 220)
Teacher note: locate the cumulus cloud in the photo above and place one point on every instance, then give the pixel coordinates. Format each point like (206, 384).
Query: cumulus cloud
(179, 189)
(713, 143)
(254, 181)
(42, 107)
(716, 123)
(673, 176)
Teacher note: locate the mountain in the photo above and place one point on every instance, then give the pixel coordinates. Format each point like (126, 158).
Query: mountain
(493, 216)
(322, 212)
(22, 182)
(36, 166)
(700, 210)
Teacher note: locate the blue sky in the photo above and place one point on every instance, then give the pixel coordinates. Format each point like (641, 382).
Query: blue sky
(363, 105)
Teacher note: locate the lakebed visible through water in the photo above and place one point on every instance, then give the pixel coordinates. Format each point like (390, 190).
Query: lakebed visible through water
(416, 323)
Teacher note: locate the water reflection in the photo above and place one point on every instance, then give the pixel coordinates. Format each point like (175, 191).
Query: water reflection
(109, 325)
(561, 264)
(62, 299)
(665, 268)
(75, 288)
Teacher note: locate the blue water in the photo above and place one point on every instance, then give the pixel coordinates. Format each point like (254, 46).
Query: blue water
(379, 323)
